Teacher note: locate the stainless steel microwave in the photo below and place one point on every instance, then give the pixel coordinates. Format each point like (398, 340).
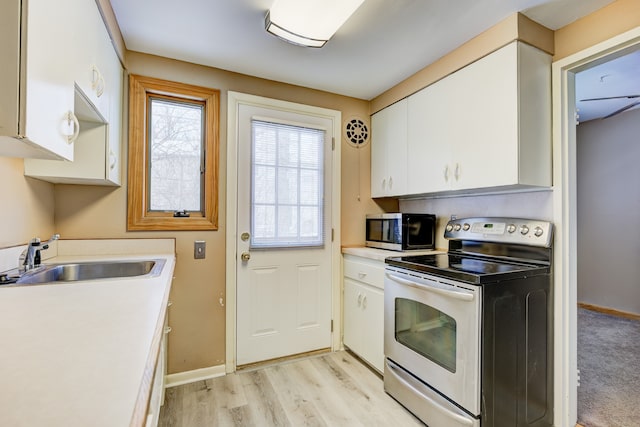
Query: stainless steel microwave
(401, 231)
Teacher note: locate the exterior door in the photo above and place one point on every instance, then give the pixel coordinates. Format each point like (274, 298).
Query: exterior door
(283, 264)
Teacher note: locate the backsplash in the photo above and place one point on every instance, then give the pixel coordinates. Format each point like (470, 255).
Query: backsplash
(535, 205)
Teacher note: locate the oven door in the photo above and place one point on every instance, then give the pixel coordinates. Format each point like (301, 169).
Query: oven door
(432, 330)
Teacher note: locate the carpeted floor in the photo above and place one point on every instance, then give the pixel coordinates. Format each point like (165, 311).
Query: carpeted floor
(609, 364)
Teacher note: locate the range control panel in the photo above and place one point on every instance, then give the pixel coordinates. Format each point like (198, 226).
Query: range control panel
(508, 230)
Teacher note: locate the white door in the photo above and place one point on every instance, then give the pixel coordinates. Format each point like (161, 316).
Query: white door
(283, 265)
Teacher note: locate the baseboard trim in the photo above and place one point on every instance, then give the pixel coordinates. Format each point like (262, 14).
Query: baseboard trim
(180, 378)
(610, 311)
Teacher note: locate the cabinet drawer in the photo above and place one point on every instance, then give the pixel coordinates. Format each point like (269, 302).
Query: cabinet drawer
(369, 272)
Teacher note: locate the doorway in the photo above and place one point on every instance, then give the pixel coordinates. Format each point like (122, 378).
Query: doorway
(283, 250)
(565, 217)
(607, 154)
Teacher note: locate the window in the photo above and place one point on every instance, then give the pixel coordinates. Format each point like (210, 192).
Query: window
(287, 185)
(173, 156)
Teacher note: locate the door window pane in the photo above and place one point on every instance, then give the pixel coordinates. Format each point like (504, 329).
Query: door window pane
(287, 168)
(175, 155)
(427, 331)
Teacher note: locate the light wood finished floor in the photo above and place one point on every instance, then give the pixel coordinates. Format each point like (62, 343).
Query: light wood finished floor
(334, 389)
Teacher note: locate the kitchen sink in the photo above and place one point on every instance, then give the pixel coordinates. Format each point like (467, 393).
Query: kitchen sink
(72, 272)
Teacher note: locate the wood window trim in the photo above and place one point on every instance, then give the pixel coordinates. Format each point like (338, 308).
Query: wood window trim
(138, 217)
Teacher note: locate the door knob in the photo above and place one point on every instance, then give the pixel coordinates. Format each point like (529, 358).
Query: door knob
(246, 256)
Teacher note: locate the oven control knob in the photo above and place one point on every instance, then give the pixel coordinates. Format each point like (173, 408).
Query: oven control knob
(524, 230)
(538, 231)
(511, 228)
(457, 227)
(449, 227)
(466, 227)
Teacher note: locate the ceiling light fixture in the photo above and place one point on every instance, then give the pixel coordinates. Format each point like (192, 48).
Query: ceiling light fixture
(308, 23)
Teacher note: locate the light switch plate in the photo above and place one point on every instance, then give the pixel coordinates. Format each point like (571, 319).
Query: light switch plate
(199, 249)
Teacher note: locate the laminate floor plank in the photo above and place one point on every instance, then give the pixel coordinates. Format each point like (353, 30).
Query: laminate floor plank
(229, 392)
(372, 384)
(364, 403)
(171, 412)
(198, 409)
(333, 389)
(335, 410)
(265, 406)
(300, 410)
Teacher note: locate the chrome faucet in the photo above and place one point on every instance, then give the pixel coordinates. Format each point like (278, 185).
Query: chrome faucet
(30, 257)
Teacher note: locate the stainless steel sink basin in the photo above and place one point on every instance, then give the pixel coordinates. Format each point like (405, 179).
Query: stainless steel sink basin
(71, 272)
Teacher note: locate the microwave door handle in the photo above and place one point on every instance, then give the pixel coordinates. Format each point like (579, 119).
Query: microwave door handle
(464, 296)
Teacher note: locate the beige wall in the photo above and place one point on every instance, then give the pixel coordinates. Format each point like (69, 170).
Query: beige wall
(515, 27)
(27, 205)
(197, 316)
(607, 172)
(603, 24)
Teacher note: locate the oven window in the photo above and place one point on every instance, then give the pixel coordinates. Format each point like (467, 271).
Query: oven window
(427, 331)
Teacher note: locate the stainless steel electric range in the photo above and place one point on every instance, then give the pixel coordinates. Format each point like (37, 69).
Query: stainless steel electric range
(468, 334)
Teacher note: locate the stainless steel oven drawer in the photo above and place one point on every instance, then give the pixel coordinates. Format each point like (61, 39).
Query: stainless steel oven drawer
(422, 401)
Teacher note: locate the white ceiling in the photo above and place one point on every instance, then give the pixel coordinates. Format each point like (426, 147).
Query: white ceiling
(383, 43)
(619, 77)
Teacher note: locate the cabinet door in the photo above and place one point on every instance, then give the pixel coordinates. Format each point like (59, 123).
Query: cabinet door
(389, 151)
(97, 148)
(114, 76)
(430, 129)
(353, 294)
(373, 327)
(92, 58)
(485, 148)
(49, 77)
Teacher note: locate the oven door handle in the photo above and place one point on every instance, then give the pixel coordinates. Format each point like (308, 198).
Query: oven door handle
(464, 296)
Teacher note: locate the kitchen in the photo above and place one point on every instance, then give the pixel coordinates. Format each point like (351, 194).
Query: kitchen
(200, 302)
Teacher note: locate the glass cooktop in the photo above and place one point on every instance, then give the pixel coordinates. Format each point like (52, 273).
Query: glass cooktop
(467, 269)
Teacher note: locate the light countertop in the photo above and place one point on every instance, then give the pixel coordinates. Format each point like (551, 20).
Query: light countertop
(79, 353)
(382, 254)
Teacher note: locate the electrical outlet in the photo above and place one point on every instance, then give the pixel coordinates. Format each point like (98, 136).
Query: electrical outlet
(199, 249)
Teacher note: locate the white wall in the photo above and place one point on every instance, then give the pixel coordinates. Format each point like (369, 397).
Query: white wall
(534, 205)
(608, 156)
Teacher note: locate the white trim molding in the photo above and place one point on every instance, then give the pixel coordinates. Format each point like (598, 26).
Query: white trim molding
(180, 378)
(565, 216)
(234, 100)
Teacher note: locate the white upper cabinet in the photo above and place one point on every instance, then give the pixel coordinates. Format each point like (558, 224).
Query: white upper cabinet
(486, 127)
(36, 79)
(97, 88)
(389, 151)
(93, 57)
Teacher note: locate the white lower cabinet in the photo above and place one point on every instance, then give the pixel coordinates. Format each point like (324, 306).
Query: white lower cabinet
(364, 309)
(157, 387)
